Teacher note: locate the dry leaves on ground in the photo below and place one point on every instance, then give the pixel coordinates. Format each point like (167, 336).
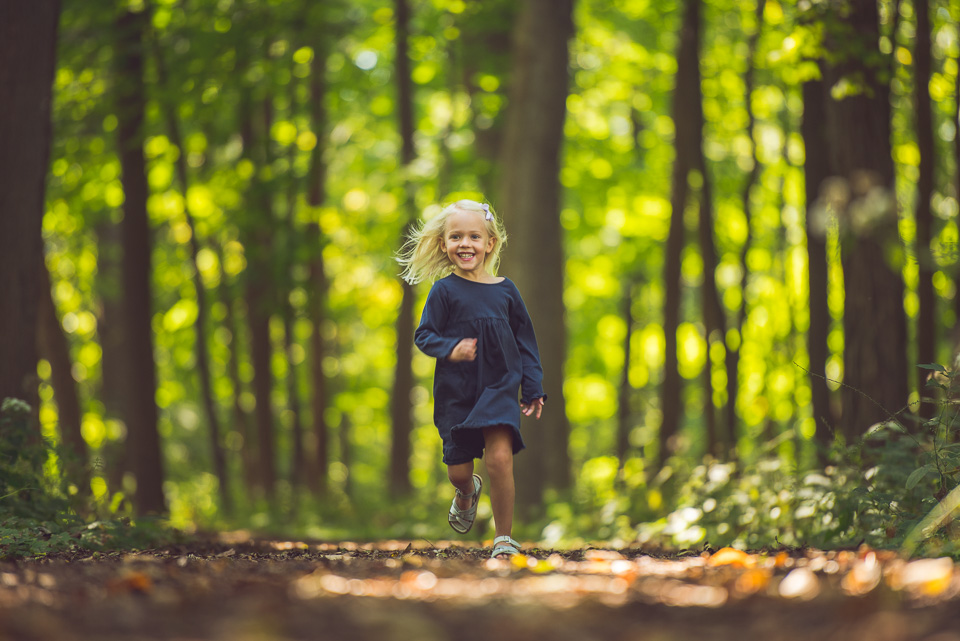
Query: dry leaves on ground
(240, 589)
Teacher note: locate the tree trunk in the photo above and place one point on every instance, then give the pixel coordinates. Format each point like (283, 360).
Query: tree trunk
(240, 418)
(715, 322)
(114, 454)
(816, 170)
(400, 411)
(318, 286)
(484, 49)
(28, 34)
(956, 186)
(625, 396)
(732, 417)
(259, 309)
(139, 366)
(54, 347)
(875, 348)
(926, 318)
(686, 107)
(530, 199)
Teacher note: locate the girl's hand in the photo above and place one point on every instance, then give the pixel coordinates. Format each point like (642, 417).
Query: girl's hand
(534, 405)
(466, 350)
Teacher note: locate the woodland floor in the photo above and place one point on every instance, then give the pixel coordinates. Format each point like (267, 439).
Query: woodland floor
(243, 590)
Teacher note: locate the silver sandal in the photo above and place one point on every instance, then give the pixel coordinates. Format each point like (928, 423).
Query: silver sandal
(504, 546)
(461, 520)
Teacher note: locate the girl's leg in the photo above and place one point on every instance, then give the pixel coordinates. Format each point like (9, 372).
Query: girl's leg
(461, 476)
(498, 455)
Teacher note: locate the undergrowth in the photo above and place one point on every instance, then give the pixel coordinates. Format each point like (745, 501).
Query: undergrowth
(896, 487)
(38, 516)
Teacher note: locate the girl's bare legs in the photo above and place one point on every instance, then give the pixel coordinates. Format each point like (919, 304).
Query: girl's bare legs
(462, 478)
(498, 455)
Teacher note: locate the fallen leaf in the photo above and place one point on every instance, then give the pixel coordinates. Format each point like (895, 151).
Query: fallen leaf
(731, 556)
(131, 582)
(751, 582)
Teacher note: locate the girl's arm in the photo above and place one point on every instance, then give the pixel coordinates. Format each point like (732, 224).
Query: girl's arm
(429, 335)
(531, 385)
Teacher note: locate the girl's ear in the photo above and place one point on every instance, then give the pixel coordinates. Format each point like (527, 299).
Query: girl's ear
(491, 244)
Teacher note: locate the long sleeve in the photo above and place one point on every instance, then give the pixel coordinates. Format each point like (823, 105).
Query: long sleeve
(429, 335)
(531, 384)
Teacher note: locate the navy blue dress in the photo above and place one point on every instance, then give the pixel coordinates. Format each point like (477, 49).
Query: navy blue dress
(471, 395)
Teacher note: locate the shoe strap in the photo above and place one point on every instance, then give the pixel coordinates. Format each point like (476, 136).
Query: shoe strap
(472, 494)
(506, 540)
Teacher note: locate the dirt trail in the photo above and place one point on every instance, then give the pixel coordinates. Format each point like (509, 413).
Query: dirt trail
(422, 591)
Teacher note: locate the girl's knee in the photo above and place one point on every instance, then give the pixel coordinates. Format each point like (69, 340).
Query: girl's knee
(499, 459)
(459, 474)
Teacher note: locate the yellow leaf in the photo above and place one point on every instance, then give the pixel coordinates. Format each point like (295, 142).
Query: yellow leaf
(731, 556)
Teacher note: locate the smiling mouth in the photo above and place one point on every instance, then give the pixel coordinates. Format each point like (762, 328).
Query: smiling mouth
(466, 256)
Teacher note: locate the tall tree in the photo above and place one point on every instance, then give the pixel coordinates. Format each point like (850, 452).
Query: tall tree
(28, 34)
(625, 390)
(400, 410)
(923, 110)
(140, 408)
(256, 233)
(816, 170)
(956, 183)
(731, 419)
(685, 110)
(317, 276)
(530, 200)
(483, 51)
(874, 323)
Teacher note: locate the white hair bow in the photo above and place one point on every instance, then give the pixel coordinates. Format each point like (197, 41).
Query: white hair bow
(486, 208)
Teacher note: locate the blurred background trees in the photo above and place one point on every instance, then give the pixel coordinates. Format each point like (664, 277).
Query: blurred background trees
(734, 224)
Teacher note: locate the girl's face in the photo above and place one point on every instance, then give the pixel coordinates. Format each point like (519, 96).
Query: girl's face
(467, 243)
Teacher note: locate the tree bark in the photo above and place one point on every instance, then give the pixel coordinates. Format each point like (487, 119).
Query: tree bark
(686, 106)
(625, 396)
(114, 454)
(530, 201)
(926, 318)
(875, 348)
(816, 170)
(240, 418)
(259, 310)
(139, 364)
(400, 411)
(715, 322)
(956, 186)
(484, 49)
(318, 284)
(732, 417)
(28, 34)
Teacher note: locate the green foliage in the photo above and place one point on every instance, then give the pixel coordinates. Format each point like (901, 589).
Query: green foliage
(25, 490)
(36, 516)
(893, 488)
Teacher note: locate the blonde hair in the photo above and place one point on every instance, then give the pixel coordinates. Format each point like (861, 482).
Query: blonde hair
(422, 255)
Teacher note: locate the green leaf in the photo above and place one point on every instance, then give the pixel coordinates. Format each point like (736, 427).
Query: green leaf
(917, 475)
(934, 366)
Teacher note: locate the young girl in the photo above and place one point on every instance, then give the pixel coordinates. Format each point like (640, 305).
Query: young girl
(476, 325)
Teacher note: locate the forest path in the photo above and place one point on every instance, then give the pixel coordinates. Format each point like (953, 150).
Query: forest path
(421, 591)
